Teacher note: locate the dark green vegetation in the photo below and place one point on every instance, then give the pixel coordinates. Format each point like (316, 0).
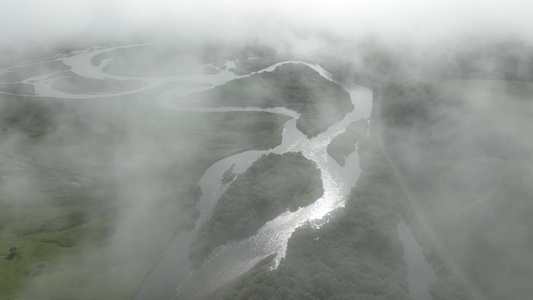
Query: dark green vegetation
(464, 147)
(355, 255)
(273, 184)
(344, 144)
(88, 198)
(321, 103)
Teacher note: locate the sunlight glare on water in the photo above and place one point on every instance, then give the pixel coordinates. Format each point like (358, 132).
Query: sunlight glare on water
(236, 257)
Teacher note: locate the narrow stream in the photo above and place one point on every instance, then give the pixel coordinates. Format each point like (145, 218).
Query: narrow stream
(420, 274)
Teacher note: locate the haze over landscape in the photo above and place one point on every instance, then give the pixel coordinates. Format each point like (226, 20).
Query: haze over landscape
(266, 149)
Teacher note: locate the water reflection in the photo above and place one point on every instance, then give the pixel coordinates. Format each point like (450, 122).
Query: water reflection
(420, 274)
(229, 261)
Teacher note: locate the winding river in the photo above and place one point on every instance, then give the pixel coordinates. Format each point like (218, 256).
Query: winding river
(233, 259)
(173, 277)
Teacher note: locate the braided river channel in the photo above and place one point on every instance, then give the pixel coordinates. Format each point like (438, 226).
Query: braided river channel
(174, 277)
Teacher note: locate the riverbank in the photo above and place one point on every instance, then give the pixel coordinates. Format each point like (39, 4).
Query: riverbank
(359, 242)
(273, 184)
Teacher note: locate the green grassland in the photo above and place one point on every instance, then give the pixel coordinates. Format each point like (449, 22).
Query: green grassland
(92, 192)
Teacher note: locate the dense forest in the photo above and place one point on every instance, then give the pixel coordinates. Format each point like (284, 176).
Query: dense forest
(273, 184)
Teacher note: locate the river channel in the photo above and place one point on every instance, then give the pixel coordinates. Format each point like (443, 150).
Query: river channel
(233, 259)
(173, 277)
